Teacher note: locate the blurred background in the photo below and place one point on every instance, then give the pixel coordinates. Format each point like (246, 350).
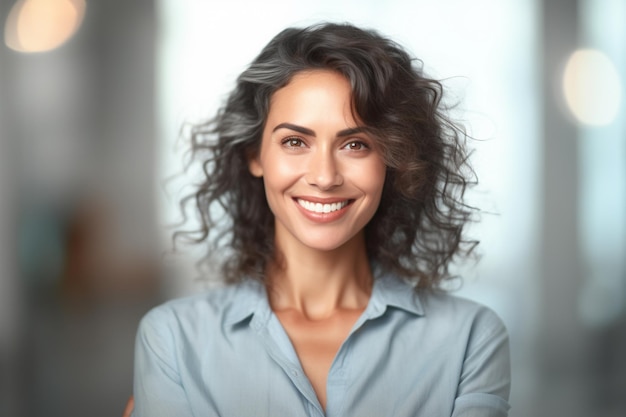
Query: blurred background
(93, 95)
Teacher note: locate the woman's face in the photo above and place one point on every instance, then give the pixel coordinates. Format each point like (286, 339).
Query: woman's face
(323, 175)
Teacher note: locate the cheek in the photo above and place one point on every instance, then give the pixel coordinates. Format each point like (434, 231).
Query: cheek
(374, 177)
(279, 175)
(279, 170)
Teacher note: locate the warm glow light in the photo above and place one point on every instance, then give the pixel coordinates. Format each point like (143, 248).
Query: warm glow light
(42, 25)
(592, 87)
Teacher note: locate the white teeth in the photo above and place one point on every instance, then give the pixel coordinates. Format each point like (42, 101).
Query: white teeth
(322, 208)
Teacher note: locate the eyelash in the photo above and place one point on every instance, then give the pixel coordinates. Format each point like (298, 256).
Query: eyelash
(363, 145)
(296, 142)
(289, 142)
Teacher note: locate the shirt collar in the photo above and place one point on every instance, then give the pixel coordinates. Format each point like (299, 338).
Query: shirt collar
(392, 291)
(250, 298)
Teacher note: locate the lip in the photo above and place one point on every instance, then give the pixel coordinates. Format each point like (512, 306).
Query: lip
(324, 217)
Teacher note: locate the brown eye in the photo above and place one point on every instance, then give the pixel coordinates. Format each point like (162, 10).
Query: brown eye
(356, 145)
(293, 142)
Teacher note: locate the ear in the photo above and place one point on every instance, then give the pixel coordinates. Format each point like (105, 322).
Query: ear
(254, 166)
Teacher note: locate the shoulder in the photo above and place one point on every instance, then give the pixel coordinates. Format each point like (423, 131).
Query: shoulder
(185, 314)
(436, 311)
(461, 315)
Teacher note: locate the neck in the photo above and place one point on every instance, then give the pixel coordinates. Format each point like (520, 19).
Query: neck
(316, 283)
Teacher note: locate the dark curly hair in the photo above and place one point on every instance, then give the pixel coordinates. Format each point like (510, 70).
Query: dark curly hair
(417, 230)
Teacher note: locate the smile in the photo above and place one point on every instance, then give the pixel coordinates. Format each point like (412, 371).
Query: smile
(322, 208)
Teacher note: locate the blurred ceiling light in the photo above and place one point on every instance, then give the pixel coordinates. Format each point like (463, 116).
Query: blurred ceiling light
(592, 87)
(42, 25)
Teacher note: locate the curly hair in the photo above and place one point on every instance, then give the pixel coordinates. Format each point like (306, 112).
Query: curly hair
(417, 231)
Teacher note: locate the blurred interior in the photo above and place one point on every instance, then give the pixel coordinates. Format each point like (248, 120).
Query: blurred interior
(93, 95)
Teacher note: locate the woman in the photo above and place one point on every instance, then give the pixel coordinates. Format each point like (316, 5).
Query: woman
(343, 183)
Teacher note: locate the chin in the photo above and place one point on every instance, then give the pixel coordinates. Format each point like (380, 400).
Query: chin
(327, 243)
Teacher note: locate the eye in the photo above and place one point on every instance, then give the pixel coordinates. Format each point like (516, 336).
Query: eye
(356, 145)
(293, 142)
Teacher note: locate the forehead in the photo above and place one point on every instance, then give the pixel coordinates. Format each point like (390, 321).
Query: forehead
(311, 91)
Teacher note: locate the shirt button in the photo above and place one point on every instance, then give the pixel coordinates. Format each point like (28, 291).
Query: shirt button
(294, 372)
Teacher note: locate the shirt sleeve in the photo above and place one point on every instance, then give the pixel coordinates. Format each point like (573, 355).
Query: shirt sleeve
(486, 375)
(157, 387)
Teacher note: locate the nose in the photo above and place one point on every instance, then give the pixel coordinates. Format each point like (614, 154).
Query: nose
(323, 170)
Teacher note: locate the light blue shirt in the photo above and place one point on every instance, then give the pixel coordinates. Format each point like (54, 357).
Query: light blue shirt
(224, 353)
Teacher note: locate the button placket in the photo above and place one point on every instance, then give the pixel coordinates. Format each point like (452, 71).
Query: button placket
(270, 340)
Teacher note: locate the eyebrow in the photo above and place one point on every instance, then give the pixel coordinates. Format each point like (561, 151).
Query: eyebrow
(309, 132)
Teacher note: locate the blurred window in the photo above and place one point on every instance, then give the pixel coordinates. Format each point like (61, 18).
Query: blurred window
(602, 193)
